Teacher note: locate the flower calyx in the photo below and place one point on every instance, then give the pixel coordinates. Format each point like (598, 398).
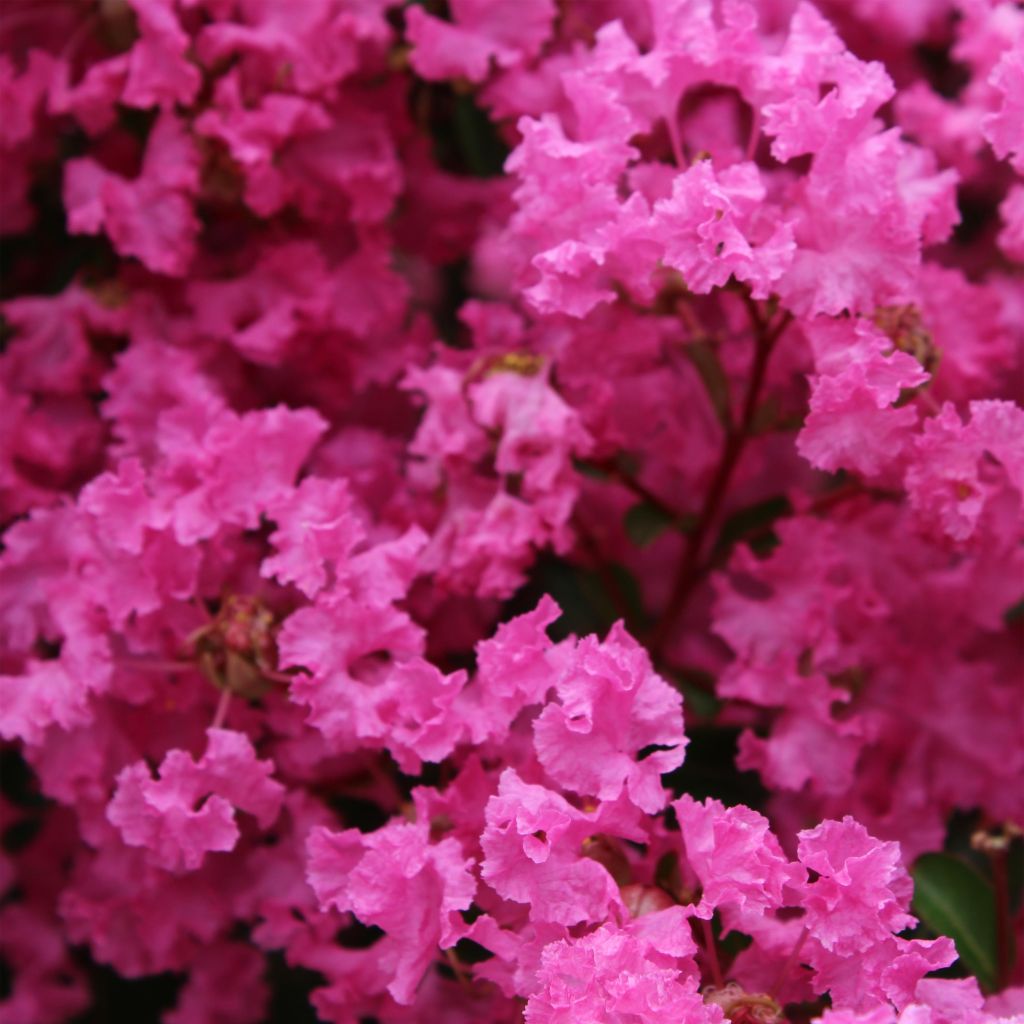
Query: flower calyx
(742, 1007)
(237, 650)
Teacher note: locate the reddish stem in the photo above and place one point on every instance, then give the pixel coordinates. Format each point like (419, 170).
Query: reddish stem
(632, 484)
(77, 37)
(712, 954)
(220, 716)
(279, 677)
(606, 576)
(688, 575)
(1000, 884)
(789, 964)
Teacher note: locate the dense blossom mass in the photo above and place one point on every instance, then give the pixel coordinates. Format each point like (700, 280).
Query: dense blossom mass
(410, 410)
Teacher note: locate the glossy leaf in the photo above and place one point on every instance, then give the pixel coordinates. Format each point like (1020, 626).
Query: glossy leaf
(953, 899)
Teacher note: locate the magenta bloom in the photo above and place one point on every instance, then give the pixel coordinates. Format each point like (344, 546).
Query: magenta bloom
(511, 511)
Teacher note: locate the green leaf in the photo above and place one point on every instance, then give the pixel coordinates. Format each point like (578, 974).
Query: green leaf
(590, 600)
(588, 469)
(1014, 613)
(697, 688)
(734, 943)
(1015, 874)
(627, 463)
(482, 150)
(586, 605)
(953, 899)
(646, 522)
(637, 619)
(706, 362)
(710, 769)
(753, 522)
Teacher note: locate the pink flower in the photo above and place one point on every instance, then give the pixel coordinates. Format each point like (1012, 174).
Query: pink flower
(864, 206)
(415, 706)
(610, 975)
(518, 665)
(1011, 238)
(46, 986)
(851, 424)
(615, 725)
(824, 92)
(396, 880)
(190, 809)
(317, 532)
(309, 49)
(226, 980)
(886, 972)
(715, 225)
(532, 852)
(311, 431)
(479, 32)
(861, 892)
(159, 74)
(150, 217)
(234, 470)
(1003, 129)
(738, 860)
(961, 474)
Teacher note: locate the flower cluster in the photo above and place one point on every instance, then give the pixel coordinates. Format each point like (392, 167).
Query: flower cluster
(407, 407)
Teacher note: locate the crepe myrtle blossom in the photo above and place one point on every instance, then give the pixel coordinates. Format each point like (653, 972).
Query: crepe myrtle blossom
(512, 511)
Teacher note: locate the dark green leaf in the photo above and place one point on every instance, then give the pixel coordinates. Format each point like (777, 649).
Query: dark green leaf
(753, 524)
(1014, 613)
(465, 139)
(590, 600)
(960, 828)
(1015, 874)
(734, 943)
(586, 606)
(646, 522)
(628, 588)
(697, 688)
(482, 150)
(710, 769)
(591, 470)
(953, 899)
(627, 463)
(706, 362)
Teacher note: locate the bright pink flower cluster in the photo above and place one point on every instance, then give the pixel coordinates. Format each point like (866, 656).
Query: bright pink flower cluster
(406, 405)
